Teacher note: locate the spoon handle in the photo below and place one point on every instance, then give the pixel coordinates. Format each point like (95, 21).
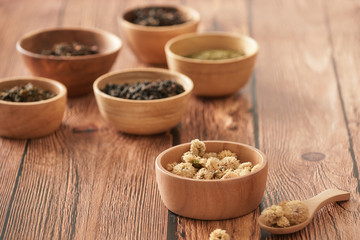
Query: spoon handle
(326, 197)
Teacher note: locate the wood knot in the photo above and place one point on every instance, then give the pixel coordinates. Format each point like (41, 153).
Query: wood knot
(313, 156)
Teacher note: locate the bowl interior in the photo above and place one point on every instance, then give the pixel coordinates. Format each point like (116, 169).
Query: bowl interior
(244, 153)
(187, 13)
(192, 43)
(43, 40)
(141, 75)
(45, 84)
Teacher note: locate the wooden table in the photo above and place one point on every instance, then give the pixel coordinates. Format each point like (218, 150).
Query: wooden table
(301, 108)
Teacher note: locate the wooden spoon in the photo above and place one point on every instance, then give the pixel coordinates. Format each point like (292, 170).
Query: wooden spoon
(314, 204)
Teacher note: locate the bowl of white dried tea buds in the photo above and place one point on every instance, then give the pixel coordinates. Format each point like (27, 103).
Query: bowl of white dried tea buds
(211, 180)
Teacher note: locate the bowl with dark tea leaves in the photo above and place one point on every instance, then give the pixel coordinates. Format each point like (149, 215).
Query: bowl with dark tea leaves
(148, 28)
(219, 63)
(73, 56)
(30, 107)
(143, 101)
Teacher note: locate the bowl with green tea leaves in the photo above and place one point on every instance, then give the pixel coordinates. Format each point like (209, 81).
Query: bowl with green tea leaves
(30, 107)
(219, 63)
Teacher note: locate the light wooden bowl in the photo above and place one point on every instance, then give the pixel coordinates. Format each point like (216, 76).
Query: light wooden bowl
(213, 77)
(212, 199)
(148, 42)
(32, 119)
(142, 117)
(77, 73)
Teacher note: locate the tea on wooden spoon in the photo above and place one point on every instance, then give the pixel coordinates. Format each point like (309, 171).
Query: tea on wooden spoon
(306, 208)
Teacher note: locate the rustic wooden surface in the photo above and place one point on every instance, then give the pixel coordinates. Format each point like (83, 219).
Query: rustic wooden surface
(87, 181)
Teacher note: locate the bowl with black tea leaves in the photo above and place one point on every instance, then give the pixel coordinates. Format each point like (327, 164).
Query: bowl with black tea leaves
(72, 56)
(143, 101)
(148, 28)
(30, 107)
(219, 63)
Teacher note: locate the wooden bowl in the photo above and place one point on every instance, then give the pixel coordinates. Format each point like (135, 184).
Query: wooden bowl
(213, 77)
(212, 199)
(148, 42)
(77, 73)
(32, 119)
(142, 117)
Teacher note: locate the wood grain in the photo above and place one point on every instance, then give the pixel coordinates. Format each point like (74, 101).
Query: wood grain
(11, 151)
(298, 83)
(10, 168)
(87, 181)
(75, 183)
(345, 59)
(340, 16)
(229, 118)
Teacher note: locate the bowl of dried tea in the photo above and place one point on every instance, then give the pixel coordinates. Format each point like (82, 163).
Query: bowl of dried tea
(211, 180)
(148, 28)
(219, 63)
(30, 107)
(143, 101)
(72, 56)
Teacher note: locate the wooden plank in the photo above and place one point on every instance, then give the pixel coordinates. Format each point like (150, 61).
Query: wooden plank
(11, 152)
(70, 190)
(228, 118)
(301, 124)
(87, 180)
(14, 22)
(346, 59)
(104, 16)
(18, 18)
(76, 184)
(219, 119)
(341, 17)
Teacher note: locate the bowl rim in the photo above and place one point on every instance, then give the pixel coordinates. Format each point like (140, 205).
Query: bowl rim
(147, 69)
(195, 18)
(62, 90)
(186, 36)
(107, 34)
(159, 167)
